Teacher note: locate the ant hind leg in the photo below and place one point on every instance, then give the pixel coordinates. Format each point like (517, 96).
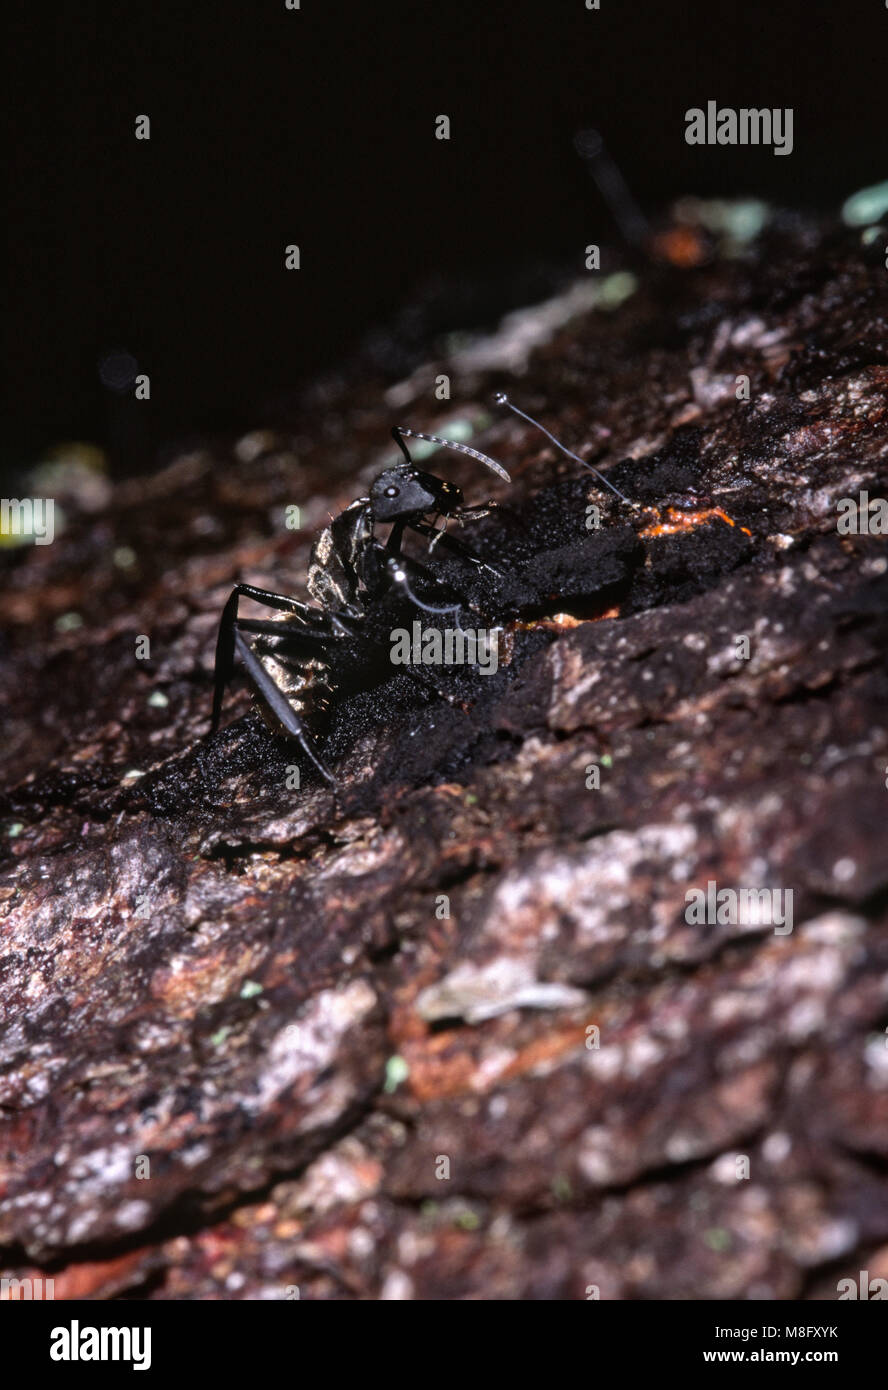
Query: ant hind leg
(280, 706)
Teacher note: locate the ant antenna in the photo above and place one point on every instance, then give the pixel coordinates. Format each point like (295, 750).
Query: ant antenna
(613, 188)
(502, 399)
(400, 430)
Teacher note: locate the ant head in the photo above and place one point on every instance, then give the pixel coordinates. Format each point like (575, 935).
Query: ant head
(402, 492)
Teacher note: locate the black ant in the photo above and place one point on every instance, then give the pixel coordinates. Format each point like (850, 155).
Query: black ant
(349, 571)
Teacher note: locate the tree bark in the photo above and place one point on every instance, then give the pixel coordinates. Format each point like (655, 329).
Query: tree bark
(448, 1031)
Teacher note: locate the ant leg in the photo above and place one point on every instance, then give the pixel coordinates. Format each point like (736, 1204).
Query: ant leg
(279, 705)
(452, 544)
(284, 604)
(439, 531)
(273, 629)
(502, 509)
(302, 612)
(224, 665)
(476, 512)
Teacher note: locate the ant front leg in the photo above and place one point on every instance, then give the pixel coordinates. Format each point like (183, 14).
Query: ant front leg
(475, 513)
(448, 542)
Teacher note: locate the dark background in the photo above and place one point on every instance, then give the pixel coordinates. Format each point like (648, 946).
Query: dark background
(317, 127)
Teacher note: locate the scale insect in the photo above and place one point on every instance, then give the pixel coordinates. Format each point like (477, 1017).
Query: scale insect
(300, 660)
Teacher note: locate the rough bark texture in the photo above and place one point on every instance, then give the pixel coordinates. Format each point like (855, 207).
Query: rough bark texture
(249, 984)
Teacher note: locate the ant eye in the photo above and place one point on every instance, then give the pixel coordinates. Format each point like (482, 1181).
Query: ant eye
(392, 491)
